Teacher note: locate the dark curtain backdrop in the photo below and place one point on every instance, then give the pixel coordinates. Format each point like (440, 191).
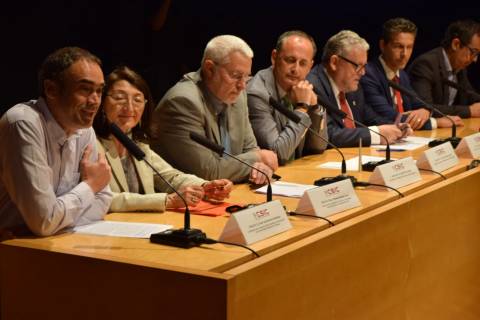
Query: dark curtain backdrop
(120, 32)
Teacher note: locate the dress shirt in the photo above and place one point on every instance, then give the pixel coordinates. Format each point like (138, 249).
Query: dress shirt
(452, 92)
(40, 183)
(390, 75)
(374, 138)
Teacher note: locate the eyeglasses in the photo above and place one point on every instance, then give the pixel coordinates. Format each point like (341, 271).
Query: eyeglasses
(123, 99)
(358, 67)
(473, 52)
(235, 75)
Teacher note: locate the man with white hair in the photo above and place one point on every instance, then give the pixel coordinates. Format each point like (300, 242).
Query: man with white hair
(337, 80)
(212, 102)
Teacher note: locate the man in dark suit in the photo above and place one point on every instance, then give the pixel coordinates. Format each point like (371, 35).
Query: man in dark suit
(396, 46)
(285, 82)
(460, 47)
(336, 80)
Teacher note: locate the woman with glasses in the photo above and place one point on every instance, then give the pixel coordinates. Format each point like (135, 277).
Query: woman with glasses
(127, 102)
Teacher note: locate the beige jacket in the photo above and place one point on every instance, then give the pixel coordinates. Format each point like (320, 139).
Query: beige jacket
(123, 200)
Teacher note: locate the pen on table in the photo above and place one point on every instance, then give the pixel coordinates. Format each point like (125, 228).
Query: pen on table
(360, 154)
(392, 150)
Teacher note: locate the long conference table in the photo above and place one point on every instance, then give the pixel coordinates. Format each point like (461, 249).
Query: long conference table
(416, 257)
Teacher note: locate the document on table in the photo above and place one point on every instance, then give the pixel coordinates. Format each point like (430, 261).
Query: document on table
(287, 189)
(122, 229)
(408, 143)
(352, 164)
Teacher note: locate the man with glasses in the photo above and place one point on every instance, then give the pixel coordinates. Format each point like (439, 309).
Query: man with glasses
(212, 102)
(285, 82)
(336, 80)
(396, 46)
(50, 175)
(429, 72)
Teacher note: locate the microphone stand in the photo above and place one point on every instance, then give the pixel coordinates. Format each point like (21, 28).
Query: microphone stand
(184, 237)
(296, 119)
(453, 139)
(221, 150)
(371, 165)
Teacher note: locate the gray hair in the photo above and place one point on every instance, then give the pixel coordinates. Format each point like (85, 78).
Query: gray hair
(342, 42)
(219, 48)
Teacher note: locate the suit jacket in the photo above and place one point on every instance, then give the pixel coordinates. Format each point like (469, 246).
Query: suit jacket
(185, 109)
(273, 130)
(378, 94)
(123, 200)
(361, 111)
(426, 74)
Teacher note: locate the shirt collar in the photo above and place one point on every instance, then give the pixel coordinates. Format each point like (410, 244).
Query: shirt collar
(333, 85)
(388, 72)
(447, 62)
(218, 106)
(54, 129)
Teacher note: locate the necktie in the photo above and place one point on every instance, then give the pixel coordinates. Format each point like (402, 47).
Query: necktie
(223, 126)
(398, 96)
(345, 108)
(286, 102)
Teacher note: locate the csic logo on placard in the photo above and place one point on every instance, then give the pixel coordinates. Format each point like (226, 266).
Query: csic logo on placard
(476, 139)
(440, 152)
(398, 166)
(261, 214)
(332, 191)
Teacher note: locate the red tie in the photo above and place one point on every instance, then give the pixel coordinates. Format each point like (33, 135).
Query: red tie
(398, 95)
(345, 108)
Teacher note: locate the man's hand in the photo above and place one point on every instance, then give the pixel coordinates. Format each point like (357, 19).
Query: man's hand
(475, 110)
(96, 174)
(443, 122)
(259, 178)
(391, 131)
(269, 158)
(417, 118)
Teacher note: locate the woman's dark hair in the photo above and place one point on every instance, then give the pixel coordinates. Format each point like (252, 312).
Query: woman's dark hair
(140, 131)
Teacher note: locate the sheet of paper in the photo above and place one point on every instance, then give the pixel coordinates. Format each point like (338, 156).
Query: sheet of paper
(408, 143)
(287, 189)
(352, 164)
(122, 229)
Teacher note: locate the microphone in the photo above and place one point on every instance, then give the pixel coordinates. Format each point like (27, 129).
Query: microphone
(371, 165)
(295, 118)
(184, 237)
(221, 150)
(461, 88)
(453, 139)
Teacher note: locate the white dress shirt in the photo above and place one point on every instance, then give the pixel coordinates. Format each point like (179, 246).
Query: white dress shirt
(40, 183)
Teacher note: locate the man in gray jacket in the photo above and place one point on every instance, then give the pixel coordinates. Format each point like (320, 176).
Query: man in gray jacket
(285, 82)
(212, 102)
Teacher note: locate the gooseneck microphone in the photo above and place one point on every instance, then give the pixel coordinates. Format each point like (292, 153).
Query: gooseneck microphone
(184, 237)
(296, 119)
(455, 85)
(453, 139)
(371, 165)
(221, 151)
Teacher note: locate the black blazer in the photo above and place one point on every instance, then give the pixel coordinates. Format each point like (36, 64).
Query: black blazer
(426, 74)
(337, 133)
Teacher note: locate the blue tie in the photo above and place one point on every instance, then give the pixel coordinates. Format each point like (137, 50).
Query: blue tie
(223, 126)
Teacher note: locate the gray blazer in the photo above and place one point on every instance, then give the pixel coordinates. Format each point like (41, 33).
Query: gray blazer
(184, 109)
(273, 130)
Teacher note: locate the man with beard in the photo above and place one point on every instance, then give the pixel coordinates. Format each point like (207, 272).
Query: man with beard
(51, 177)
(428, 72)
(285, 82)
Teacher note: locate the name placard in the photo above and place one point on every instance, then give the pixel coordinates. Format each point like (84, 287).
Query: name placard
(327, 200)
(254, 224)
(396, 174)
(469, 147)
(438, 158)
